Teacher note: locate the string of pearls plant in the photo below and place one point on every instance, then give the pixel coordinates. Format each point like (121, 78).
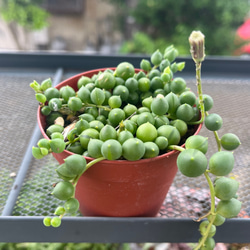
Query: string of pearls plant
(131, 116)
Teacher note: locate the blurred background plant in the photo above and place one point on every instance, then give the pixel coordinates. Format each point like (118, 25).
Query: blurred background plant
(121, 26)
(170, 22)
(62, 246)
(114, 246)
(26, 13)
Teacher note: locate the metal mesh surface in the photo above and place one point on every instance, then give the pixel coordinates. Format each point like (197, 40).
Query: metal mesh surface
(17, 121)
(35, 197)
(188, 197)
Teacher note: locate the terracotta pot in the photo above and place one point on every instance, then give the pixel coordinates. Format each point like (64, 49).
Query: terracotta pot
(121, 188)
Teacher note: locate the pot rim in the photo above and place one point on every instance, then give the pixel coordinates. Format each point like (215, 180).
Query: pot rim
(88, 159)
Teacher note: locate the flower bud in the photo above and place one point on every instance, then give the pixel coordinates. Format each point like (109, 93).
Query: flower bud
(197, 46)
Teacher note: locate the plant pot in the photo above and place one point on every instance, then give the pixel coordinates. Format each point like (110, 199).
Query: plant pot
(121, 188)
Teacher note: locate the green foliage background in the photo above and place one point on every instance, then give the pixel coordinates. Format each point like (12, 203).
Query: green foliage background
(171, 22)
(26, 13)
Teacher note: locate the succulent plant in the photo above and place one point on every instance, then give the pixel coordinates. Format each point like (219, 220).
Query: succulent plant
(130, 114)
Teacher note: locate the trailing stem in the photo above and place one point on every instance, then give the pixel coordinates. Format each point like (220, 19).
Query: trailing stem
(199, 91)
(175, 147)
(217, 140)
(90, 164)
(212, 192)
(212, 211)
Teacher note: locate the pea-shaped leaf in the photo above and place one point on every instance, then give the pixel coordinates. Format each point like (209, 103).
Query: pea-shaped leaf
(124, 70)
(47, 83)
(192, 162)
(83, 81)
(41, 97)
(185, 112)
(173, 102)
(146, 132)
(151, 150)
(170, 53)
(178, 85)
(197, 142)
(226, 188)
(156, 58)
(36, 152)
(97, 96)
(67, 92)
(218, 221)
(106, 80)
(57, 145)
(221, 163)
(63, 190)
(171, 133)
(94, 148)
(145, 65)
(44, 143)
(54, 128)
(108, 132)
(213, 122)
(84, 94)
(159, 105)
(164, 64)
(229, 209)
(71, 205)
(133, 149)
(204, 227)
(65, 173)
(111, 149)
(230, 141)
(81, 125)
(75, 103)
(51, 93)
(76, 163)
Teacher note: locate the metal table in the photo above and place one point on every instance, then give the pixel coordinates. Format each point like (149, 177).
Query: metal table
(25, 183)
